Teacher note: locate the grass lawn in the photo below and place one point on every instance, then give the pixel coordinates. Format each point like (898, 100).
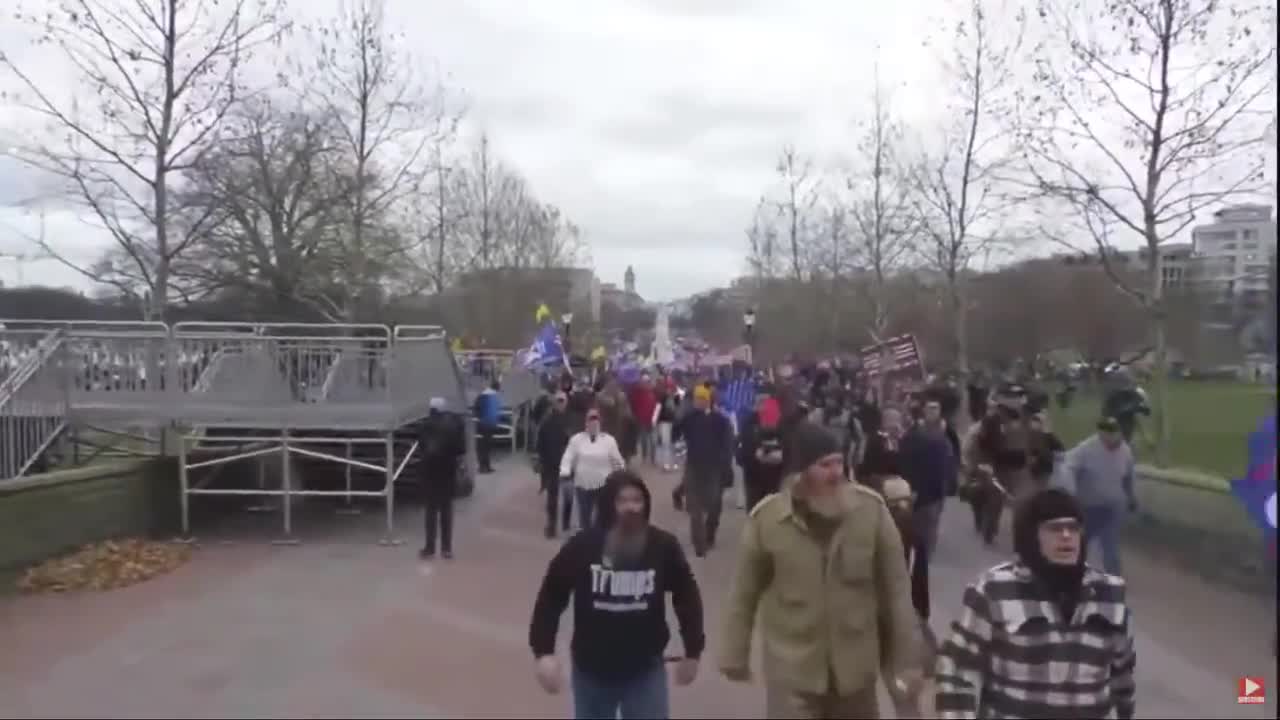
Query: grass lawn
(1210, 423)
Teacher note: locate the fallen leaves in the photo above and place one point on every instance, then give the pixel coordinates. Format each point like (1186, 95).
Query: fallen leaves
(106, 566)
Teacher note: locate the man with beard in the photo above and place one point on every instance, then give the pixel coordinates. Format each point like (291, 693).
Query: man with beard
(444, 442)
(1044, 636)
(553, 437)
(822, 563)
(618, 574)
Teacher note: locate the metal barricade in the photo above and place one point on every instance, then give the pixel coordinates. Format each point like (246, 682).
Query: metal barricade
(31, 418)
(423, 367)
(106, 377)
(480, 368)
(286, 375)
(333, 379)
(260, 384)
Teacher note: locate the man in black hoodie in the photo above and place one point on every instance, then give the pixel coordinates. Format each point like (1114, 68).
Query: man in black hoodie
(444, 443)
(618, 574)
(553, 438)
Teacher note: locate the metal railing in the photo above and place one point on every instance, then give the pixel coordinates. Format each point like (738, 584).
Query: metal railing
(30, 421)
(231, 375)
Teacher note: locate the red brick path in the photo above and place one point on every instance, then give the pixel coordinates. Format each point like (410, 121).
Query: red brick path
(339, 626)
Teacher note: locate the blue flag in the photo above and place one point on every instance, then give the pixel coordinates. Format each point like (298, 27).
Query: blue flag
(1257, 489)
(547, 349)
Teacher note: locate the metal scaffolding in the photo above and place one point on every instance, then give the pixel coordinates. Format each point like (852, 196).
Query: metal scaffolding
(250, 390)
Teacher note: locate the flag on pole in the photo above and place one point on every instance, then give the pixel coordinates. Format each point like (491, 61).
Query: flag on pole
(1257, 489)
(547, 349)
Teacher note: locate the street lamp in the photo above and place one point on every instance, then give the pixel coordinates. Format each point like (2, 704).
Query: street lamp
(567, 319)
(749, 331)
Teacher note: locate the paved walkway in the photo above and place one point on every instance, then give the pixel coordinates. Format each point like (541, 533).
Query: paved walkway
(339, 626)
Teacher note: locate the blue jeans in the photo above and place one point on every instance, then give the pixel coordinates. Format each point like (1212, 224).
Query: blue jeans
(643, 695)
(1102, 523)
(587, 510)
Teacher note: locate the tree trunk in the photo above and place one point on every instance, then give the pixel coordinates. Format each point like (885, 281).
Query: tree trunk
(1160, 339)
(960, 327)
(1161, 400)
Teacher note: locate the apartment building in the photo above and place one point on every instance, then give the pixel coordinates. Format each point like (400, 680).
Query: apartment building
(1235, 252)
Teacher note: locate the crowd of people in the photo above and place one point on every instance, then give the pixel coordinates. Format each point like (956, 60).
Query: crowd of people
(844, 493)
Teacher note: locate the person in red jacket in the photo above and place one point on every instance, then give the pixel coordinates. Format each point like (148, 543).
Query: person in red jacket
(644, 404)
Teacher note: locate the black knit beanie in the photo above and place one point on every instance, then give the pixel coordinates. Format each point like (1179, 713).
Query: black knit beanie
(808, 444)
(1045, 505)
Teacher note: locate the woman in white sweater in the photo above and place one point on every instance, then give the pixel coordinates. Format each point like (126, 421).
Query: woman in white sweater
(591, 455)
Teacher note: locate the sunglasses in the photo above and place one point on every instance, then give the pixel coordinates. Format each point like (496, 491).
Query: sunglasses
(593, 417)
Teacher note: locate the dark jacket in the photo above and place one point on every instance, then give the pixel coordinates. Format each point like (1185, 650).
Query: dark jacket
(879, 460)
(442, 441)
(929, 463)
(1045, 447)
(708, 437)
(553, 437)
(752, 437)
(619, 613)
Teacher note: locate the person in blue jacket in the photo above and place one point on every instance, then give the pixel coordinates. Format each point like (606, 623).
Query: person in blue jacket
(488, 408)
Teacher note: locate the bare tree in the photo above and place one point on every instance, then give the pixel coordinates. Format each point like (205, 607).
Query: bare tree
(557, 241)
(157, 79)
(484, 183)
(884, 223)
(1143, 115)
(956, 193)
(763, 260)
(273, 206)
(390, 113)
(434, 219)
(779, 252)
(799, 196)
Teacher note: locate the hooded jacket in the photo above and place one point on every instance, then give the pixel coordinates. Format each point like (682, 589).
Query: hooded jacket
(619, 613)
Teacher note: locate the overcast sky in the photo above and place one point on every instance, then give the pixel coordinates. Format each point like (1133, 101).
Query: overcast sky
(654, 123)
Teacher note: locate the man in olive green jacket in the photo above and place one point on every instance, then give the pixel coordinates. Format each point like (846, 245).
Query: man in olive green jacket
(822, 562)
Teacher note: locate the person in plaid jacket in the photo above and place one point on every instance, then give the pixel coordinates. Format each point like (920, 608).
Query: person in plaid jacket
(1045, 636)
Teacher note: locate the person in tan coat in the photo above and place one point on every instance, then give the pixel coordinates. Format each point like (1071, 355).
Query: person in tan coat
(822, 563)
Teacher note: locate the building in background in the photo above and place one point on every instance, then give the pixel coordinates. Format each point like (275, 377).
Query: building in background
(1235, 251)
(1179, 266)
(625, 298)
(1236, 255)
